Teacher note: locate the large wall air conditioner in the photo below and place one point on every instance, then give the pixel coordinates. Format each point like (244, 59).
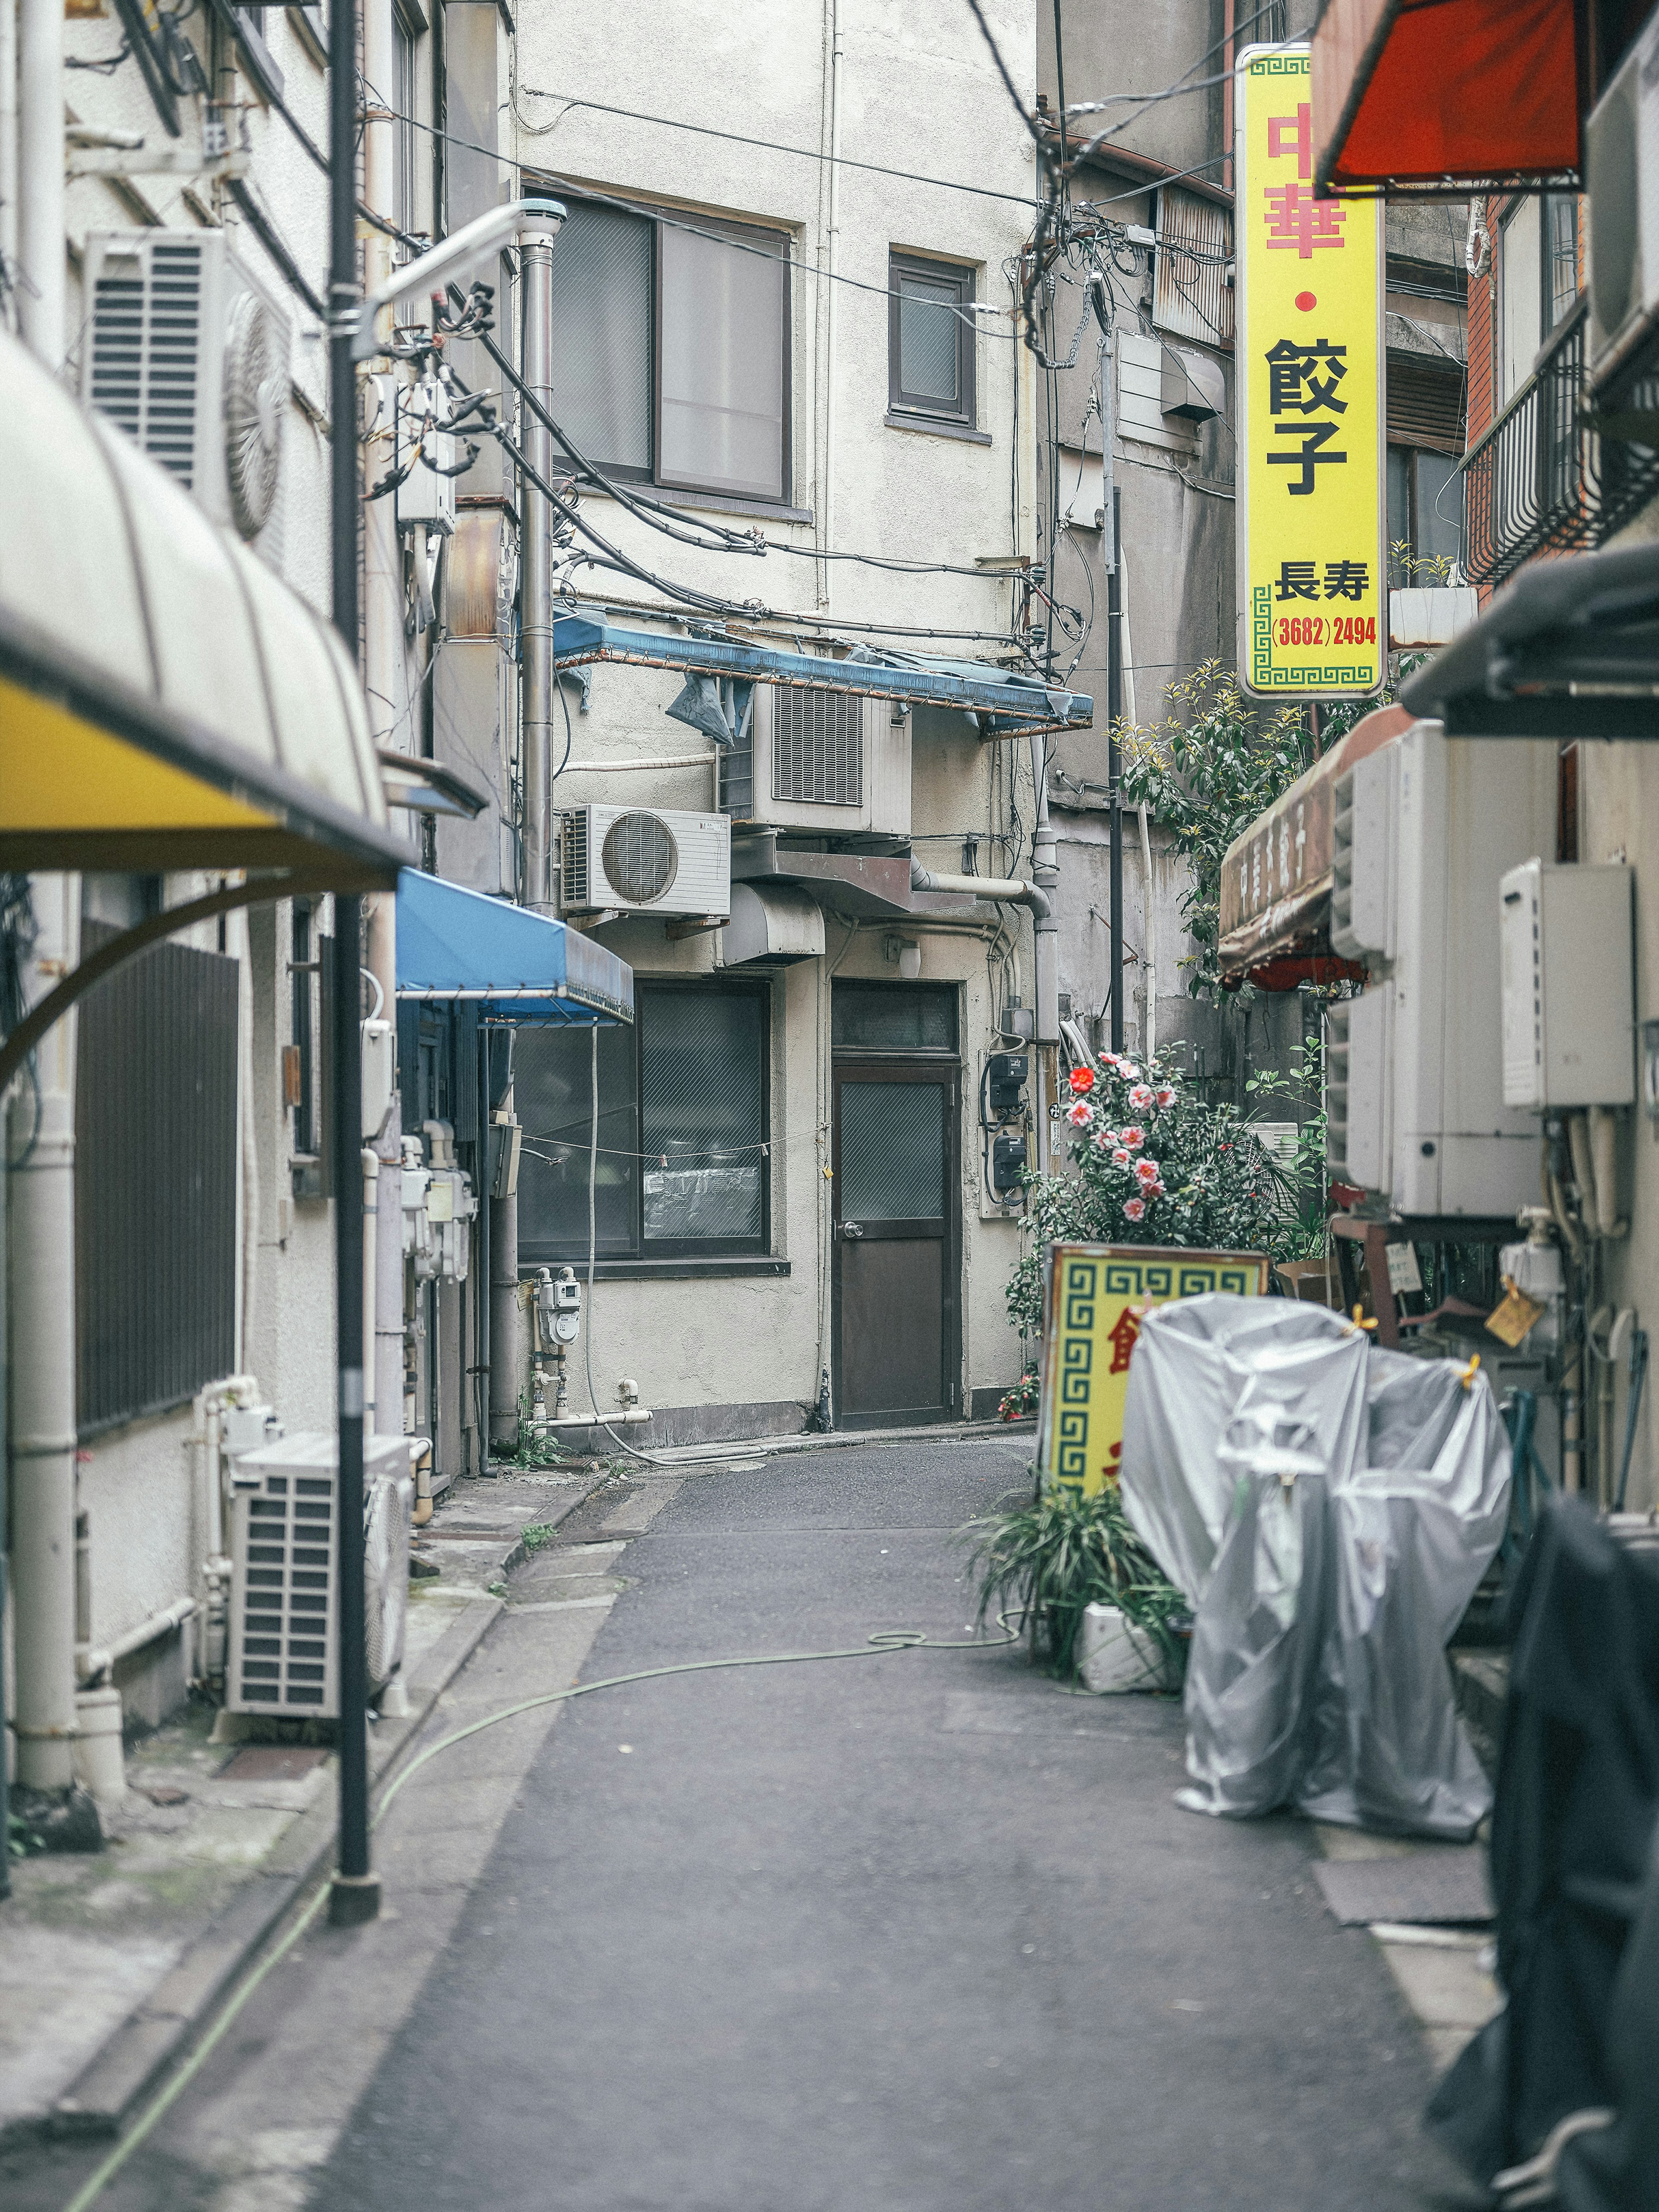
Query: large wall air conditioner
(186, 349)
(637, 860)
(283, 1657)
(832, 761)
(1414, 1069)
(1621, 176)
(1569, 986)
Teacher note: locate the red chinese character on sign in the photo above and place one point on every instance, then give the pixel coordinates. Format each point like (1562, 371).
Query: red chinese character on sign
(1113, 1467)
(1296, 218)
(1300, 127)
(1122, 1340)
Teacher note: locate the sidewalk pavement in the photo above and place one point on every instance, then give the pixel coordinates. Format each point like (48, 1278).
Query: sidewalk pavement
(109, 1961)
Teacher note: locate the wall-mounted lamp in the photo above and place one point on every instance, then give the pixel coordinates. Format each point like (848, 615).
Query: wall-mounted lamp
(907, 953)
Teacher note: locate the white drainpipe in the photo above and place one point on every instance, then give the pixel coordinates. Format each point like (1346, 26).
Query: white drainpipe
(827, 499)
(40, 250)
(41, 1300)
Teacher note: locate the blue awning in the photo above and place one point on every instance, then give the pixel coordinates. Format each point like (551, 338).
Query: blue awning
(518, 966)
(1012, 698)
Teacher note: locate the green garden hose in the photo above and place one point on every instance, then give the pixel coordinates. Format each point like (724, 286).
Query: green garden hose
(884, 1643)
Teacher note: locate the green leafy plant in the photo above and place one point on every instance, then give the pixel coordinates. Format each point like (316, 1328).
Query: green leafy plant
(532, 1450)
(538, 1535)
(1050, 1558)
(1023, 1399)
(1153, 1162)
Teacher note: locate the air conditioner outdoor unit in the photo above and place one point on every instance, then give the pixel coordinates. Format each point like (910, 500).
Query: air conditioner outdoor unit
(1425, 830)
(284, 1656)
(1569, 998)
(833, 762)
(1621, 175)
(636, 859)
(189, 353)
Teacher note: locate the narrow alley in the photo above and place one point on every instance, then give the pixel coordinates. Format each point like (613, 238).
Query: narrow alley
(919, 1931)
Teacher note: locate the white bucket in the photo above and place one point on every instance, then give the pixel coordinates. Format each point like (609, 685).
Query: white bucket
(1113, 1656)
(99, 1764)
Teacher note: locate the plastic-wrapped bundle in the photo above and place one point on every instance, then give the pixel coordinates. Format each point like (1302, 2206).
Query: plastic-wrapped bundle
(1327, 1508)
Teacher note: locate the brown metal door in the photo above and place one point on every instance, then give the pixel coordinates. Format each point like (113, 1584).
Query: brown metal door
(896, 1243)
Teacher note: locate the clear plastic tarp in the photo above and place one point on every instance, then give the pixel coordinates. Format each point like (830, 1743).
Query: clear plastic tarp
(1327, 1508)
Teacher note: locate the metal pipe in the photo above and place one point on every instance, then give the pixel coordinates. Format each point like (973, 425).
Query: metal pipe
(1114, 761)
(40, 244)
(42, 1368)
(507, 1331)
(1014, 891)
(9, 141)
(90, 1664)
(536, 571)
(369, 1168)
(832, 243)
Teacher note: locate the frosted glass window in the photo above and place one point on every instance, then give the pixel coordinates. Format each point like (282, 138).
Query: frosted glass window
(930, 338)
(602, 335)
(723, 305)
(892, 1152)
(702, 1115)
(1521, 278)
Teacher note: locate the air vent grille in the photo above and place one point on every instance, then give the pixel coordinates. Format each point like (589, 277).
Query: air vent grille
(146, 351)
(1336, 1091)
(281, 1659)
(574, 862)
(817, 747)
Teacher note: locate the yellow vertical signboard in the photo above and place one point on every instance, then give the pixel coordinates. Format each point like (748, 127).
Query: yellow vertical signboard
(1094, 1299)
(1313, 602)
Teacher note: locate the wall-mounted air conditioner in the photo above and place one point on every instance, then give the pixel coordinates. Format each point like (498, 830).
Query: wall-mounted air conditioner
(186, 349)
(283, 1655)
(636, 859)
(1415, 1068)
(1621, 175)
(832, 761)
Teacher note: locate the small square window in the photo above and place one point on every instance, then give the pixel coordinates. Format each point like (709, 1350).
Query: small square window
(930, 339)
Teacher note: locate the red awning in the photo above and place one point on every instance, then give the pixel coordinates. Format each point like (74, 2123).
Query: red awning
(1416, 97)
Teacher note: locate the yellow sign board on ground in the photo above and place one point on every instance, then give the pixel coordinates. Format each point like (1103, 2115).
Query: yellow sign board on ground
(1313, 600)
(1093, 1300)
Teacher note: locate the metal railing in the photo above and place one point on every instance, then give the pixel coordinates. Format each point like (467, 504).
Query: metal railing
(1532, 484)
(1624, 410)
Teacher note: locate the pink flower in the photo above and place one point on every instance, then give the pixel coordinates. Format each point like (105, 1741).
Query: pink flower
(1079, 1116)
(1128, 1071)
(1134, 1138)
(1140, 1097)
(1165, 1095)
(1110, 1137)
(1148, 1172)
(1134, 1209)
(1120, 1157)
(1103, 1141)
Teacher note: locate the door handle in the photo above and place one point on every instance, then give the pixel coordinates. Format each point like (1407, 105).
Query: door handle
(852, 1229)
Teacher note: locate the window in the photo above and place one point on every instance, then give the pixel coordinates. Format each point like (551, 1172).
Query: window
(930, 340)
(670, 349)
(407, 27)
(1425, 516)
(1538, 278)
(155, 1182)
(683, 1165)
(1560, 257)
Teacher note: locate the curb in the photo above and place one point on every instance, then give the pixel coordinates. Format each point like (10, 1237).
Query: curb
(160, 2031)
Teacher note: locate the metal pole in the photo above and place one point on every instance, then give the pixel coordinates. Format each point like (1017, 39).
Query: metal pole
(355, 1893)
(536, 569)
(1114, 764)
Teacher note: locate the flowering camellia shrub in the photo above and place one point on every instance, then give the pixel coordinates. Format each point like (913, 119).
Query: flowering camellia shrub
(1153, 1164)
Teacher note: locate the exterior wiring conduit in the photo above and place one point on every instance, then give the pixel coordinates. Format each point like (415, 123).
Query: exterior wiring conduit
(883, 1644)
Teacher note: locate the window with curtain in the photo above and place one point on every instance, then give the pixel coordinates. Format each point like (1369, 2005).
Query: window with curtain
(670, 349)
(930, 339)
(682, 1162)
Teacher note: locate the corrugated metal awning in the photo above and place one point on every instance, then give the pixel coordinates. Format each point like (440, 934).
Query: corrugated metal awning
(166, 700)
(1015, 700)
(516, 966)
(1276, 878)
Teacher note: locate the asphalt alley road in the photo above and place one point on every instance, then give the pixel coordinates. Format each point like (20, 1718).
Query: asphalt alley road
(911, 1934)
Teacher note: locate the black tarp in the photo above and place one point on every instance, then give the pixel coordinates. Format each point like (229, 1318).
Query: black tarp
(1573, 1873)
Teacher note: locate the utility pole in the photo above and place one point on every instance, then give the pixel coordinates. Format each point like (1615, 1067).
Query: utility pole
(536, 569)
(1114, 763)
(355, 1896)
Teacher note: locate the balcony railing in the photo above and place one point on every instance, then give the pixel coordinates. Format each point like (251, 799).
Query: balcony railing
(1624, 410)
(1532, 484)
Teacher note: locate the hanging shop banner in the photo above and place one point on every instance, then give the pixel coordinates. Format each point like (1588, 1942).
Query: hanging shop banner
(1094, 1298)
(1312, 565)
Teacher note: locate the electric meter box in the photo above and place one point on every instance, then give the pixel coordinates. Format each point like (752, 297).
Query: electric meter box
(1568, 985)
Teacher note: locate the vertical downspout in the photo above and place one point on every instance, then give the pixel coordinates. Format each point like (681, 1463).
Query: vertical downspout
(1149, 1033)
(385, 681)
(1114, 763)
(505, 1320)
(42, 1357)
(536, 569)
(8, 144)
(40, 250)
(831, 316)
(1046, 951)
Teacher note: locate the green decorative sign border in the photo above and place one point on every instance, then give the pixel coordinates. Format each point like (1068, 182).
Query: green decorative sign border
(1264, 677)
(1278, 65)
